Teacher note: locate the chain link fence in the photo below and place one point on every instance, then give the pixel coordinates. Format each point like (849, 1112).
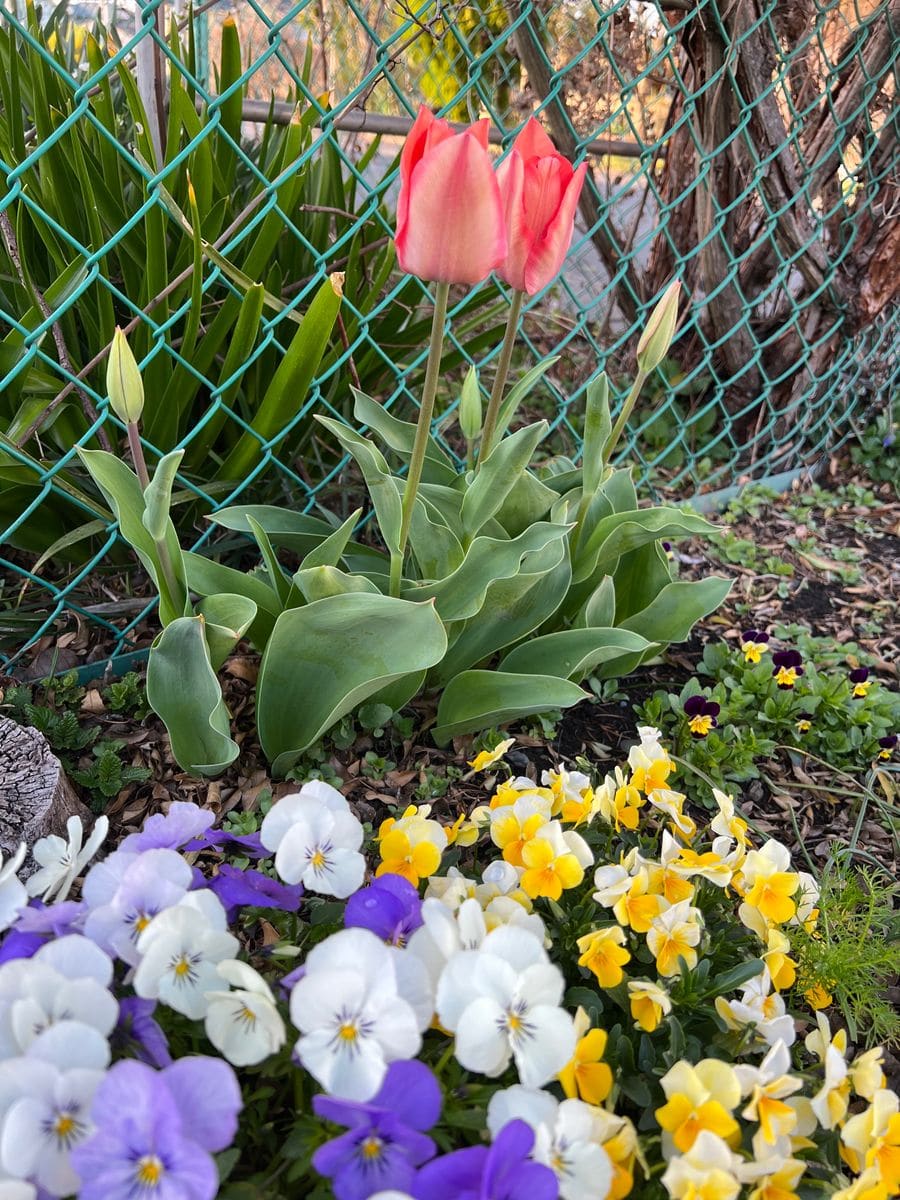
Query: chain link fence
(155, 177)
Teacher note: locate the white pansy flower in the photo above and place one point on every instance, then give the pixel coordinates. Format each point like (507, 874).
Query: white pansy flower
(768, 1087)
(13, 895)
(502, 1002)
(125, 892)
(18, 1189)
(316, 840)
(612, 881)
(180, 950)
(62, 860)
(708, 1169)
(48, 1116)
(66, 980)
(243, 1024)
(761, 1007)
(351, 1015)
(567, 1138)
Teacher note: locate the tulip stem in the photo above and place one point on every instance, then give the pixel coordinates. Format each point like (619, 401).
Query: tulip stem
(489, 431)
(630, 401)
(137, 454)
(423, 429)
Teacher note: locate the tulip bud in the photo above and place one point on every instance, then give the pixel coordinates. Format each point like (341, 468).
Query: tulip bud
(123, 381)
(470, 407)
(657, 337)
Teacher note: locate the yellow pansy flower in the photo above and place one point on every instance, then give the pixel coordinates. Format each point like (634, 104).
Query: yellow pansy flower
(649, 1004)
(698, 1098)
(487, 758)
(550, 866)
(603, 953)
(674, 934)
(638, 908)
(586, 1076)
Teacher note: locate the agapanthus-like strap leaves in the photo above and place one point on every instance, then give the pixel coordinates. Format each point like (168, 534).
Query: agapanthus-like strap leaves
(328, 657)
(383, 488)
(498, 474)
(400, 435)
(623, 531)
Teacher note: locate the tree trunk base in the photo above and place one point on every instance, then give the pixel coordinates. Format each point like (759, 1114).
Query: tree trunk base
(36, 798)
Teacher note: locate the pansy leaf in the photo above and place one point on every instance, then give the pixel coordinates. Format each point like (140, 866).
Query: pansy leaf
(475, 700)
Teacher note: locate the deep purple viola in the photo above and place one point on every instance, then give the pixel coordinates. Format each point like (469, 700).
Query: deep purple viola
(859, 677)
(701, 714)
(385, 1141)
(240, 888)
(787, 668)
(502, 1171)
(754, 644)
(390, 907)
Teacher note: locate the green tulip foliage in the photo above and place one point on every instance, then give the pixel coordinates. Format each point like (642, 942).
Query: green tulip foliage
(519, 581)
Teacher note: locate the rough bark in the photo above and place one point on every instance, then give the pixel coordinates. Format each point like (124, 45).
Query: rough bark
(36, 798)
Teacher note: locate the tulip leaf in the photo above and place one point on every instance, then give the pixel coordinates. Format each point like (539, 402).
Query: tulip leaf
(315, 583)
(512, 609)
(572, 653)
(462, 594)
(158, 495)
(228, 616)
(497, 476)
(616, 535)
(400, 435)
(277, 578)
(330, 552)
(210, 578)
(384, 489)
(518, 392)
(475, 700)
(600, 607)
(528, 501)
(122, 491)
(325, 659)
(435, 546)
(640, 576)
(286, 529)
(597, 428)
(183, 691)
(676, 609)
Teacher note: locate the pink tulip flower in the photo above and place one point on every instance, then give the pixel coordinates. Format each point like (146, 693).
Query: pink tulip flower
(449, 215)
(540, 191)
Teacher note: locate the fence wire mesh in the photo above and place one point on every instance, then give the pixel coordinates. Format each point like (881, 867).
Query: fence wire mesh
(156, 177)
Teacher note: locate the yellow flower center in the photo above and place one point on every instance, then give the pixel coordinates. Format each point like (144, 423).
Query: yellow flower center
(317, 862)
(64, 1125)
(149, 1171)
(371, 1148)
(348, 1032)
(182, 967)
(141, 923)
(247, 1014)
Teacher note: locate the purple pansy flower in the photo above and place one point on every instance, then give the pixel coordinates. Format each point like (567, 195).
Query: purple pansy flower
(218, 839)
(137, 1026)
(385, 1142)
(787, 668)
(701, 714)
(237, 888)
(390, 907)
(184, 821)
(500, 1172)
(37, 923)
(156, 1131)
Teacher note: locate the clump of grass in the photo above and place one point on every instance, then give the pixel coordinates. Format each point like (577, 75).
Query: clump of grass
(854, 951)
